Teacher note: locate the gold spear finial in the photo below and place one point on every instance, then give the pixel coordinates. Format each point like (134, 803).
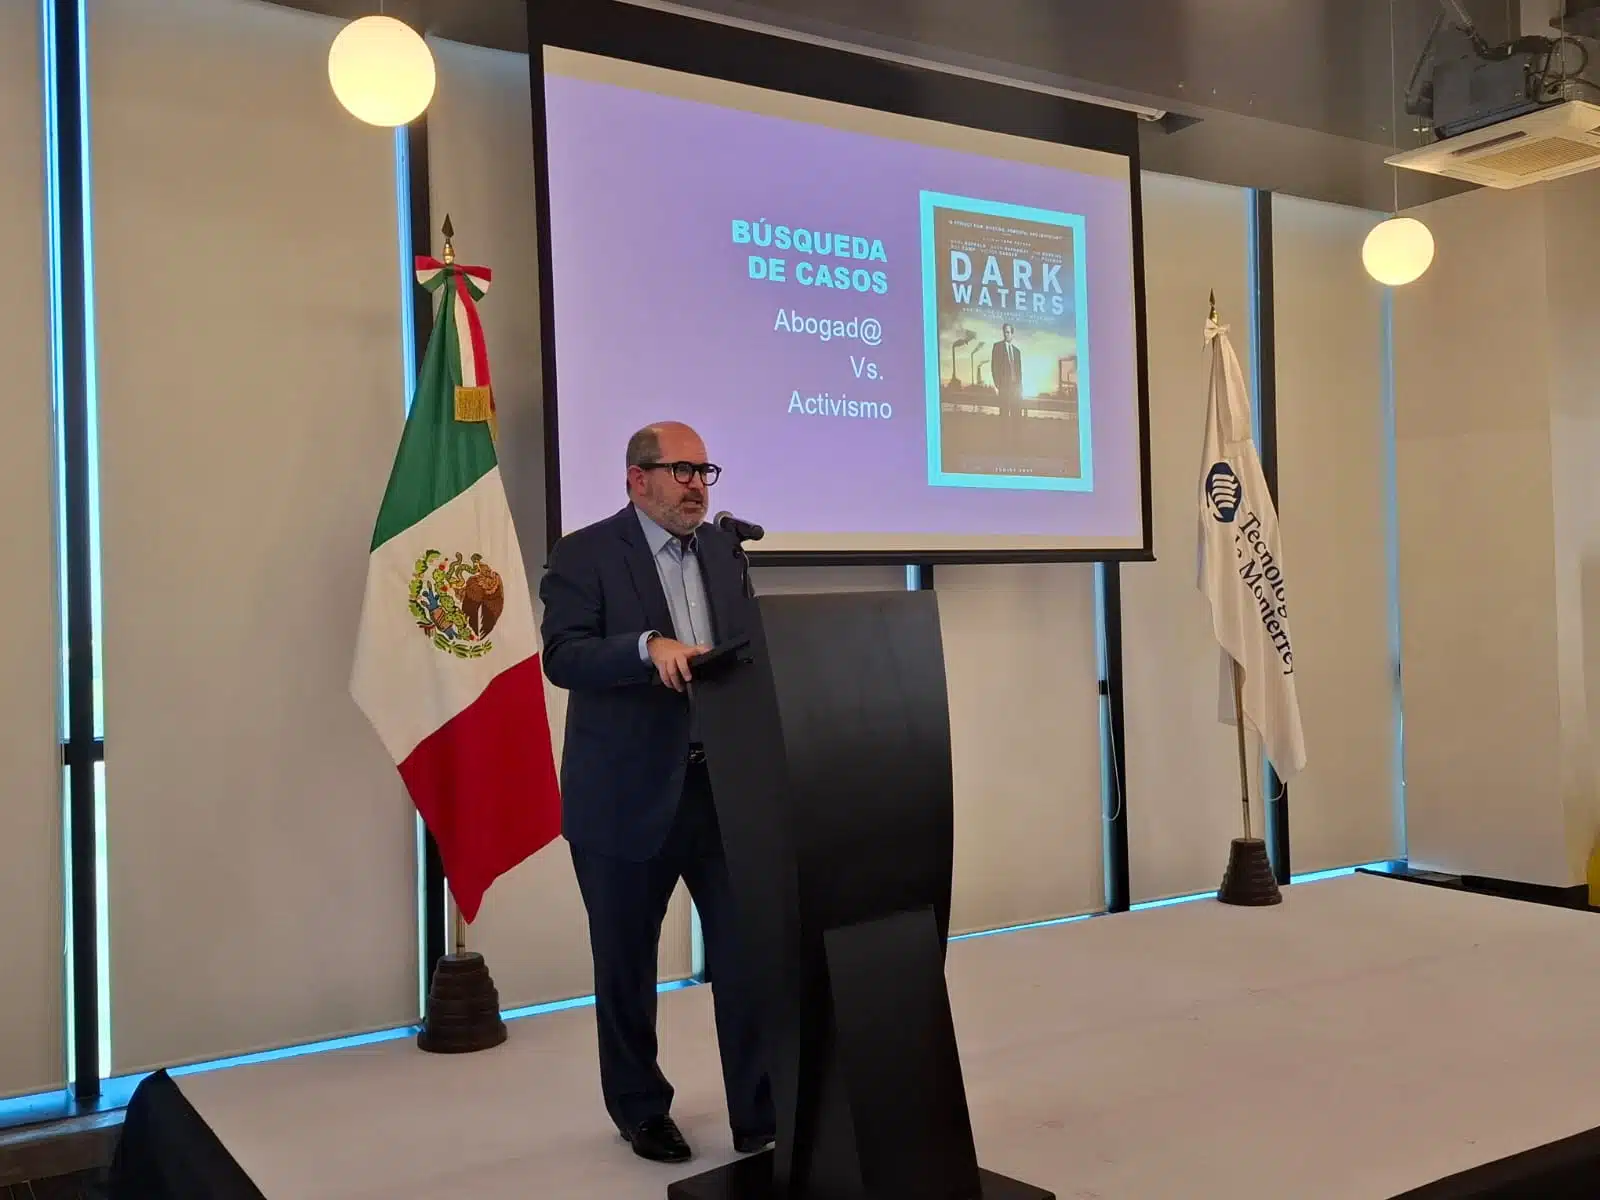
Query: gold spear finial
(449, 247)
(1213, 304)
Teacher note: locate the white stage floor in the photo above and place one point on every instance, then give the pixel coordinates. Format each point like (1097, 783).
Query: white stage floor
(1366, 1037)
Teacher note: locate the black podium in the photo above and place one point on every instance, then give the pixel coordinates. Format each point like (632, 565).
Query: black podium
(828, 741)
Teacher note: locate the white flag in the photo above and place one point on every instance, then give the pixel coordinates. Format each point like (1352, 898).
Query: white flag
(1241, 564)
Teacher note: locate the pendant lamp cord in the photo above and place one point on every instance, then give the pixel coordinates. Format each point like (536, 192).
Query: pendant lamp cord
(1394, 111)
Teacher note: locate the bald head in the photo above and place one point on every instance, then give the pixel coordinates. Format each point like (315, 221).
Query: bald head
(678, 507)
(655, 443)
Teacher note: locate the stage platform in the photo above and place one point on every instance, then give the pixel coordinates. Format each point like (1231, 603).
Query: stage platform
(1367, 1038)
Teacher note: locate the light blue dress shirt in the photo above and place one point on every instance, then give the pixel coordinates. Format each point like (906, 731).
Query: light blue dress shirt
(682, 582)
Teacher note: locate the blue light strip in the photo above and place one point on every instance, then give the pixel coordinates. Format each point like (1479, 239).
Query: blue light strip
(1392, 536)
(539, 1010)
(102, 914)
(1054, 921)
(408, 291)
(408, 383)
(58, 369)
(1308, 877)
(1169, 901)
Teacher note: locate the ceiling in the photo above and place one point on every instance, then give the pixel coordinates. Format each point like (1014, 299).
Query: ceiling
(1294, 95)
(500, 24)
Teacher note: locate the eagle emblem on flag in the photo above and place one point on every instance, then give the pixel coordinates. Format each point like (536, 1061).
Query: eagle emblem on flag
(457, 602)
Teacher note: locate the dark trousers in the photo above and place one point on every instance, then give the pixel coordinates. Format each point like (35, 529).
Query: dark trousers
(626, 902)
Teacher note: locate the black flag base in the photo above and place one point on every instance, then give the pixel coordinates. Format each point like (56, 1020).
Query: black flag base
(1248, 879)
(751, 1179)
(463, 1008)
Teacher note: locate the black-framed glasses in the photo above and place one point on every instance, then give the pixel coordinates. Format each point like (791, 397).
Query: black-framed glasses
(683, 472)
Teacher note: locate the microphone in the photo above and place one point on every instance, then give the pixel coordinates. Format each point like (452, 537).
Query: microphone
(744, 531)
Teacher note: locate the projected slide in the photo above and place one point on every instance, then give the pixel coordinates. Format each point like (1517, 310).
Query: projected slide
(1008, 283)
(883, 326)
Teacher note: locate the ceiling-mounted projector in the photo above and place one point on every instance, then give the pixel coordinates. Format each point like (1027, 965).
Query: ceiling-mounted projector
(1509, 115)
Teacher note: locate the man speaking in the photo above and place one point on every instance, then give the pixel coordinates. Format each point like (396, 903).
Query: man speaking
(628, 601)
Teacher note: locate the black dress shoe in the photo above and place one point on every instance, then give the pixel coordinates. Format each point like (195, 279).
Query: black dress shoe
(659, 1140)
(753, 1143)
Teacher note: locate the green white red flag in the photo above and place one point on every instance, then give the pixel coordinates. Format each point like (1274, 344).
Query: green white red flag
(447, 659)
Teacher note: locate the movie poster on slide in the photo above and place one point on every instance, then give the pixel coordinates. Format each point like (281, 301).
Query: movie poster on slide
(1005, 324)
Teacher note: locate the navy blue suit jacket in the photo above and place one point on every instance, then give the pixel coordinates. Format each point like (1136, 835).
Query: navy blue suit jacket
(627, 739)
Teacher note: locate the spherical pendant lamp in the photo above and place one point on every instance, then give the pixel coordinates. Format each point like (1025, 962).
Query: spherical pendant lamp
(381, 71)
(1397, 251)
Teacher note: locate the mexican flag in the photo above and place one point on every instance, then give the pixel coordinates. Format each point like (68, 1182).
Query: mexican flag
(447, 660)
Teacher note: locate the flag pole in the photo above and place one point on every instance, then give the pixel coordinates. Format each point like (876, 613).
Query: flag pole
(460, 926)
(1244, 761)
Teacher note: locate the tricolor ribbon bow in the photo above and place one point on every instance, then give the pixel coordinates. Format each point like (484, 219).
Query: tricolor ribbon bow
(469, 353)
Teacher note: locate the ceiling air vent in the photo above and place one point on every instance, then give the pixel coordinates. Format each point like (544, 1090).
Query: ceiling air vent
(1560, 140)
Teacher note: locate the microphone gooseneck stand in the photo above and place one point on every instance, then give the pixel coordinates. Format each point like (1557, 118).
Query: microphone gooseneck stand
(744, 568)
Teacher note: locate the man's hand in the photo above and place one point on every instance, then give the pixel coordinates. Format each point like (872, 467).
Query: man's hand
(671, 658)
